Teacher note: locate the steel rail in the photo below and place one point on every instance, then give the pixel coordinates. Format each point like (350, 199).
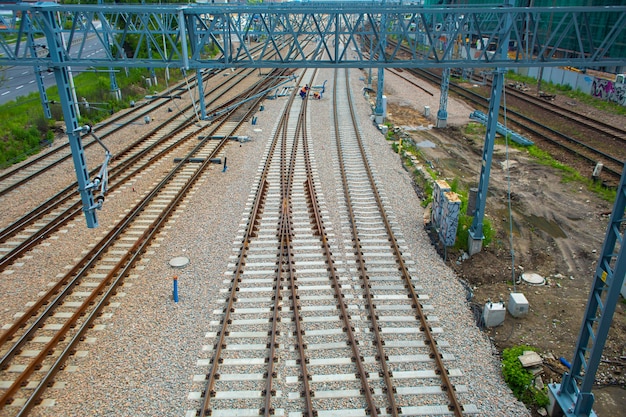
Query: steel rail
(141, 111)
(249, 234)
(93, 253)
(480, 100)
(611, 131)
(124, 262)
(390, 390)
(526, 121)
(121, 269)
(116, 122)
(286, 256)
(348, 328)
(454, 405)
(70, 192)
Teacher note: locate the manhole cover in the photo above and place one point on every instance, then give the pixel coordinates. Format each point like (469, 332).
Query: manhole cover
(533, 279)
(179, 262)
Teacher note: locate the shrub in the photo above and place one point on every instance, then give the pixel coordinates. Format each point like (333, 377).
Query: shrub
(519, 379)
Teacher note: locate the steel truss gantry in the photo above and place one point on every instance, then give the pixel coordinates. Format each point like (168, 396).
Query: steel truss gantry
(351, 34)
(441, 37)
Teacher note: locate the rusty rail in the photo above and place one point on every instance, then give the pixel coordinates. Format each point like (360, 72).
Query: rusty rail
(393, 409)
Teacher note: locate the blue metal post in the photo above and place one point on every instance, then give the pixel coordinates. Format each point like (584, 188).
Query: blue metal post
(57, 56)
(476, 231)
(442, 113)
(603, 298)
(199, 85)
(476, 236)
(43, 95)
(371, 55)
(380, 87)
(201, 94)
(115, 89)
(175, 293)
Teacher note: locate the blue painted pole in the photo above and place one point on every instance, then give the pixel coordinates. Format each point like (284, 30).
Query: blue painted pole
(224, 170)
(175, 289)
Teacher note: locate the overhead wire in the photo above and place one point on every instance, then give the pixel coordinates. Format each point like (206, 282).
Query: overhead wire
(167, 88)
(191, 96)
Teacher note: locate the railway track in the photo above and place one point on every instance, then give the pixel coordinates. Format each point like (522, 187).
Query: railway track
(15, 177)
(598, 142)
(38, 343)
(319, 321)
(613, 133)
(581, 149)
(28, 231)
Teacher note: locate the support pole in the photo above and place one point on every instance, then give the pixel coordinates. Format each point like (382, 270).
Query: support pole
(43, 95)
(200, 87)
(54, 37)
(476, 236)
(115, 89)
(379, 110)
(442, 113)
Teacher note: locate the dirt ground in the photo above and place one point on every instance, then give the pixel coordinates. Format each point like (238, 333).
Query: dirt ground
(558, 231)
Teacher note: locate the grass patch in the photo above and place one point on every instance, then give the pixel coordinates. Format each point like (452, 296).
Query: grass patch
(569, 174)
(25, 130)
(475, 129)
(520, 380)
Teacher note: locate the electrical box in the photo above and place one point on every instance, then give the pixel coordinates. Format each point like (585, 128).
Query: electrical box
(518, 304)
(493, 314)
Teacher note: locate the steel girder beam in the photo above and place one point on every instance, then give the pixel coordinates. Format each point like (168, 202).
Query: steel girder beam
(186, 36)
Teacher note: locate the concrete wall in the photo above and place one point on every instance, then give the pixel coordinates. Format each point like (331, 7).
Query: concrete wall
(597, 87)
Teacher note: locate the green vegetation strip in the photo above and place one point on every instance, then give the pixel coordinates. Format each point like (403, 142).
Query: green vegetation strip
(25, 130)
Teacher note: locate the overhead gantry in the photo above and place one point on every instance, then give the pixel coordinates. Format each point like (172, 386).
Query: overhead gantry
(437, 37)
(352, 35)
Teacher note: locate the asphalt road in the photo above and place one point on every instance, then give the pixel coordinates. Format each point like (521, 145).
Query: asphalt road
(20, 81)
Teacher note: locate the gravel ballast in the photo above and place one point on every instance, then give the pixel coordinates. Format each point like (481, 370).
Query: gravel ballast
(143, 360)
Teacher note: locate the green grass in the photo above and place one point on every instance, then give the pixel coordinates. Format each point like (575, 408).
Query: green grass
(569, 174)
(475, 128)
(520, 380)
(25, 130)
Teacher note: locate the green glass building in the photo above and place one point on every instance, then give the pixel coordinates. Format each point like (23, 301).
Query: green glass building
(595, 26)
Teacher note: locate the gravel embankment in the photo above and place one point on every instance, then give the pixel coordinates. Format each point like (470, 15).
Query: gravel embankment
(142, 360)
